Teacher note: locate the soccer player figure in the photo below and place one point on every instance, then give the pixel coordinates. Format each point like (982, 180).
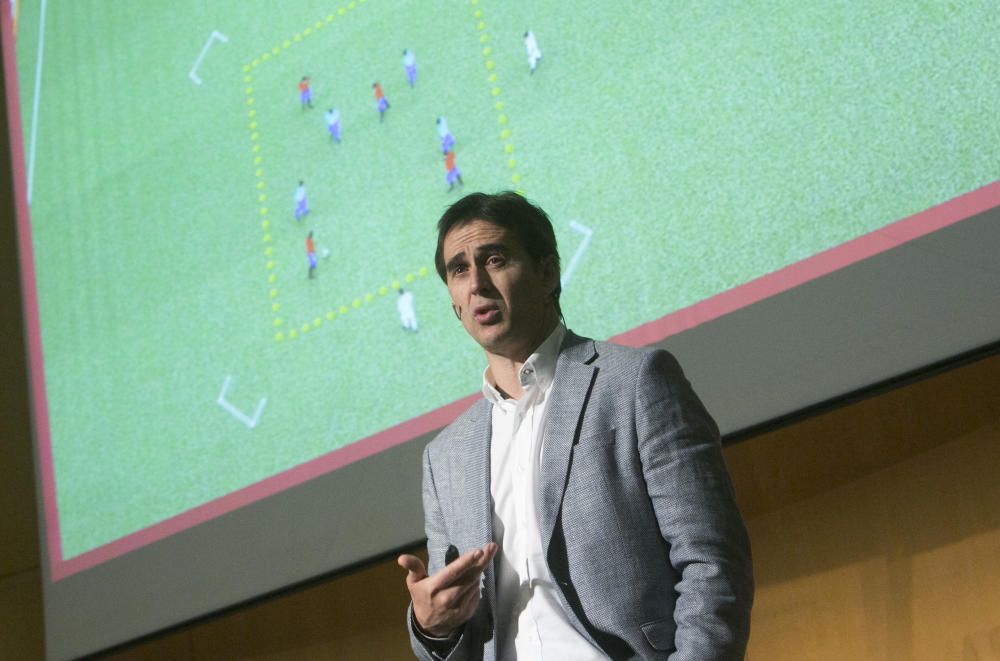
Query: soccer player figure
(332, 117)
(451, 169)
(410, 65)
(531, 46)
(381, 103)
(407, 316)
(305, 93)
(444, 135)
(301, 201)
(311, 254)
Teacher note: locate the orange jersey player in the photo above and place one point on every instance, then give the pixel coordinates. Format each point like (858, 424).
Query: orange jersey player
(451, 169)
(311, 254)
(381, 103)
(305, 93)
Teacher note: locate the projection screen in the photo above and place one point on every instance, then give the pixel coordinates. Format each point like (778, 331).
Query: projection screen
(238, 341)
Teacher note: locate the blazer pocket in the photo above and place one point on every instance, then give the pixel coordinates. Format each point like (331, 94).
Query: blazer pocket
(660, 633)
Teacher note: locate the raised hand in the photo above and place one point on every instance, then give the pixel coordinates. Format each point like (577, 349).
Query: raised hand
(445, 601)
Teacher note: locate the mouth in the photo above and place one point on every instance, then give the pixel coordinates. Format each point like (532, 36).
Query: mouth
(486, 314)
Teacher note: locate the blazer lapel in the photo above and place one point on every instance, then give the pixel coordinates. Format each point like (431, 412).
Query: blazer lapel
(573, 381)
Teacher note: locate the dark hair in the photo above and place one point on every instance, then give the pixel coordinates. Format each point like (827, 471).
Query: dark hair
(511, 211)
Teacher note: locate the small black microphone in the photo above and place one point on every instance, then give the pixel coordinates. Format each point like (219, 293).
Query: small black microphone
(451, 555)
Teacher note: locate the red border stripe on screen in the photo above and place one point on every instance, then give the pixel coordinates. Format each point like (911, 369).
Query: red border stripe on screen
(29, 303)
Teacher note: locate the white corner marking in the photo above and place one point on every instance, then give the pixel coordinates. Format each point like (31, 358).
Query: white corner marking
(235, 412)
(582, 248)
(216, 35)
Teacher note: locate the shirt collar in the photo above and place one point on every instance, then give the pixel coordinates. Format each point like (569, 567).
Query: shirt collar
(538, 370)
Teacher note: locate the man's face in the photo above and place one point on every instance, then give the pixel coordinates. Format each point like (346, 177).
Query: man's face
(502, 296)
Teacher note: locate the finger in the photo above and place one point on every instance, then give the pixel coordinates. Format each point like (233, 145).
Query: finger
(413, 565)
(468, 592)
(489, 551)
(480, 559)
(456, 591)
(468, 580)
(457, 571)
(466, 601)
(458, 602)
(465, 569)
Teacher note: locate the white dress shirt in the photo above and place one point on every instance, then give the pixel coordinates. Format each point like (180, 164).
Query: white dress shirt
(530, 622)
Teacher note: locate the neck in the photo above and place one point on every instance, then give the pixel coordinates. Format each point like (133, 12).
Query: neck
(503, 373)
(504, 369)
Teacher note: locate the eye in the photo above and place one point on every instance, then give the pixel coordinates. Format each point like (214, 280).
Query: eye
(495, 260)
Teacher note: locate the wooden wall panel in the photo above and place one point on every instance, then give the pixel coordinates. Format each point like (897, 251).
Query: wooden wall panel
(357, 616)
(901, 564)
(815, 455)
(21, 630)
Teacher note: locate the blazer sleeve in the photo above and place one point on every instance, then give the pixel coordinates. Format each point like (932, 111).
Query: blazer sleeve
(456, 647)
(696, 511)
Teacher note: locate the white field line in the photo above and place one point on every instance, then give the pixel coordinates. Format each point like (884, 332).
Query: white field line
(235, 412)
(216, 35)
(582, 248)
(38, 95)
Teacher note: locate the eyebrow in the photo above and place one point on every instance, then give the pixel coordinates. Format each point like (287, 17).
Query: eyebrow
(491, 248)
(457, 260)
(486, 248)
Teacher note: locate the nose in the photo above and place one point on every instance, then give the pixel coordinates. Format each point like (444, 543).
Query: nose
(480, 280)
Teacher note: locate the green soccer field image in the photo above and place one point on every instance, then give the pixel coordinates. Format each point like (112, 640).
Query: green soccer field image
(189, 349)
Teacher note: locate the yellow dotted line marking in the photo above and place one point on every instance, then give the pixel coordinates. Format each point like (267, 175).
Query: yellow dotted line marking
(496, 91)
(281, 323)
(262, 209)
(338, 312)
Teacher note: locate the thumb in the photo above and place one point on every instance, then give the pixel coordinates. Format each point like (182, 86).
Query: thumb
(415, 567)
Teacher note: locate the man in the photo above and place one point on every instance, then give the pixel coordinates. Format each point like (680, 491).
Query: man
(451, 173)
(531, 47)
(381, 103)
(305, 93)
(445, 137)
(311, 255)
(301, 201)
(407, 315)
(332, 117)
(410, 66)
(583, 503)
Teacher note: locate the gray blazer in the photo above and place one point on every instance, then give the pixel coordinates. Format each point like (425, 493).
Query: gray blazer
(639, 522)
